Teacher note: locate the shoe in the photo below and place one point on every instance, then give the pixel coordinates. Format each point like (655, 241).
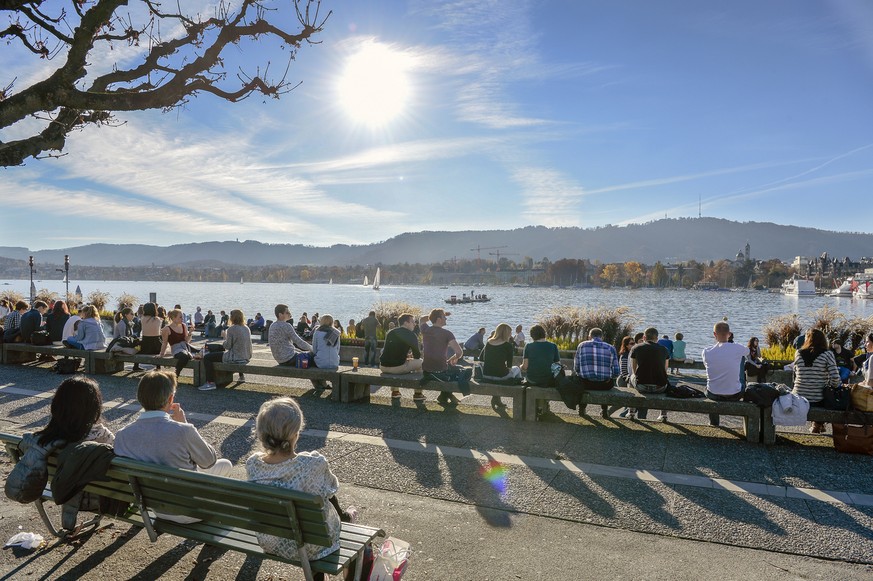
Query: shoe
(624, 413)
(136, 367)
(631, 415)
(242, 378)
(395, 394)
(416, 397)
(209, 386)
(662, 418)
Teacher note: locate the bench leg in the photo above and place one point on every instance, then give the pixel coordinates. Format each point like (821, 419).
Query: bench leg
(350, 391)
(768, 428)
(19, 357)
(106, 366)
(752, 427)
(222, 378)
(530, 407)
(518, 405)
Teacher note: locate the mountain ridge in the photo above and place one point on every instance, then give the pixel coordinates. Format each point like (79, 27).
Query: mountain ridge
(666, 240)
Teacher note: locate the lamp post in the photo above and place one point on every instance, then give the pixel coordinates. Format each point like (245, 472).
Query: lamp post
(66, 271)
(30, 263)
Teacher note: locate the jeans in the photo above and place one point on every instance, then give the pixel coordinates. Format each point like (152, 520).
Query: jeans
(182, 358)
(75, 344)
(643, 413)
(714, 418)
(371, 348)
(209, 361)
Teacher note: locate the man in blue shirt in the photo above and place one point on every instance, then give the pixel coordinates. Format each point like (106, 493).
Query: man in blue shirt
(32, 320)
(667, 343)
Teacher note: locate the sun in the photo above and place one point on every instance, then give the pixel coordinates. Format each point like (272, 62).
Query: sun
(374, 86)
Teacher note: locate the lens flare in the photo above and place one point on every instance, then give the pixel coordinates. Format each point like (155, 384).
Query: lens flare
(495, 474)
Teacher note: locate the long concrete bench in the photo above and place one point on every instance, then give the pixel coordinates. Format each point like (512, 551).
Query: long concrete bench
(224, 372)
(19, 353)
(108, 363)
(815, 414)
(356, 387)
(629, 397)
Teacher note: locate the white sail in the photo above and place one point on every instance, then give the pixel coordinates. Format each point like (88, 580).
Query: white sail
(330, 282)
(366, 281)
(376, 279)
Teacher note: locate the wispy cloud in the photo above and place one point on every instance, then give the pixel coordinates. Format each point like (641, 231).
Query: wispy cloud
(550, 198)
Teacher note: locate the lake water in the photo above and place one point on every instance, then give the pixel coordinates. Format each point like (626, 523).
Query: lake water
(691, 312)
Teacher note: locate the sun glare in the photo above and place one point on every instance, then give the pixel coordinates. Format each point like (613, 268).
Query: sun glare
(374, 86)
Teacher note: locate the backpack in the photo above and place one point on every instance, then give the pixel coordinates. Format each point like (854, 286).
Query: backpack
(683, 391)
(67, 365)
(29, 477)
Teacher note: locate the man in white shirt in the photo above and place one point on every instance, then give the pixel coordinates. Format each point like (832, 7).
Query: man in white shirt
(724, 363)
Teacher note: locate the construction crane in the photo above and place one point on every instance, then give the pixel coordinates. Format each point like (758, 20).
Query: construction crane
(498, 254)
(478, 250)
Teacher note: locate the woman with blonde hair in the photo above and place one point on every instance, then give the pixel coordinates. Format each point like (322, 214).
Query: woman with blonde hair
(496, 358)
(89, 336)
(237, 348)
(277, 430)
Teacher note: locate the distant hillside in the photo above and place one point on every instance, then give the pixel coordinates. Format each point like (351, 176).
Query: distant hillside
(669, 239)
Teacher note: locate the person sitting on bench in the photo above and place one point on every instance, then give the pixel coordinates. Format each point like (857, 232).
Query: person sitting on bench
(162, 435)
(395, 354)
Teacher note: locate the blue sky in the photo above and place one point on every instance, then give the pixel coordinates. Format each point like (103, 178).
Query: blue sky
(488, 114)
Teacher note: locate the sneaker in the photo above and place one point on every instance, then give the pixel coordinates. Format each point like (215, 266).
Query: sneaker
(624, 413)
(662, 418)
(395, 394)
(631, 414)
(242, 378)
(444, 397)
(136, 367)
(209, 386)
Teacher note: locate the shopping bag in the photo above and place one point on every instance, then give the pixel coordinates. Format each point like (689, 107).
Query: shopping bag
(862, 398)
(390, 560)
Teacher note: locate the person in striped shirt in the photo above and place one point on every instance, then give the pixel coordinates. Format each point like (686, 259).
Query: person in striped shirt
(815, 368)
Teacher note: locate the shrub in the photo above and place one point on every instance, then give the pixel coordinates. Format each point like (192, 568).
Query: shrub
(831, 322)
(778, 353)
(391, 311)
(98, 299)
(12, 296)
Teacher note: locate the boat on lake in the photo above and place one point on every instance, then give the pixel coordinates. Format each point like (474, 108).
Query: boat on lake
(844, 290)
(798, 287)
(465, 299)
(864, 290)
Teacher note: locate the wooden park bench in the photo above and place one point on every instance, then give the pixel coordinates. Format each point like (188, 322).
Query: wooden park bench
(629, 397)
(355, 386)
(231, 512)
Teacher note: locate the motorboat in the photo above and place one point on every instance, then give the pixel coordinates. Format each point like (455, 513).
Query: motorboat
(844, 290)
(467, 299)
(798, 287)
(864, 290)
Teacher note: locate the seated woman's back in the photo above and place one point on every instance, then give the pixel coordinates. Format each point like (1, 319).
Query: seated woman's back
(814, 367)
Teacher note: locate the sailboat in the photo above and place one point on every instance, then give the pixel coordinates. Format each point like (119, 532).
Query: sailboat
(241, 280)
(366, 280)
(376, 279)
(330, 281)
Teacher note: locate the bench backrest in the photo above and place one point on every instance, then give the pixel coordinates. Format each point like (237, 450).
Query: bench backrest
(256, 508)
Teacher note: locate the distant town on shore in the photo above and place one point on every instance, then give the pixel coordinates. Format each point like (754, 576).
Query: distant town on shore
(665, 253)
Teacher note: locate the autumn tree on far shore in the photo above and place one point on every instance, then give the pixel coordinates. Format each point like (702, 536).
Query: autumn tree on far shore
(176, 55)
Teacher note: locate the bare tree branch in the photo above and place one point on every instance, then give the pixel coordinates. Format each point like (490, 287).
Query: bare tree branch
(166, 75)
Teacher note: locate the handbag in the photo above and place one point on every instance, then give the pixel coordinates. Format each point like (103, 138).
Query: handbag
(390, 560)
(40, 338)
(852, 438)
(862, 398)
(837, 397)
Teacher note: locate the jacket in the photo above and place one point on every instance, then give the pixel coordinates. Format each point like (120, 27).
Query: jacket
(326, 347)
(790, 410)
(78, 465)
(28, 478)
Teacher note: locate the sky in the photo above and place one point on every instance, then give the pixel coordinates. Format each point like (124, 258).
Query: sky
(482, 114)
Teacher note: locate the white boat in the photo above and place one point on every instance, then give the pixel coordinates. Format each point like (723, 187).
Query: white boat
(376, 278)
(844, 290)
(798, 287)
(864, 290)
(366, 280)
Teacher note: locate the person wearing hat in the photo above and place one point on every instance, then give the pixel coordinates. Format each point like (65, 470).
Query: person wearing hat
(436, 341)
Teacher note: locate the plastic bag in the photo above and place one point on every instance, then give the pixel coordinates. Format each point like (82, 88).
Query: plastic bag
(390, 560)
(25, 541)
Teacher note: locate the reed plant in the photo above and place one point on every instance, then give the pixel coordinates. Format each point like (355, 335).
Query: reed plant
(99, 299)
(126, 300)
(781, 331)
(46, 296)
(568, 326)
(388, 312)
(12, 296)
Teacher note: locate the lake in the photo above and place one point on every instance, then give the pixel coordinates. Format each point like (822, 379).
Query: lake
(670, 310)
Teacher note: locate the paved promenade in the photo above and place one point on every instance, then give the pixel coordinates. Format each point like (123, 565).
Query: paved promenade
(586, 497)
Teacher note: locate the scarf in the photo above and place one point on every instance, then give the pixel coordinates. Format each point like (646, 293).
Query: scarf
(331, 334)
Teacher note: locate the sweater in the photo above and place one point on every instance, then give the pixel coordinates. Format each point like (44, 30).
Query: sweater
(283, 338)
(810, 381)
(237, 345)
(155, 437)
(90, 334)
(326, 347)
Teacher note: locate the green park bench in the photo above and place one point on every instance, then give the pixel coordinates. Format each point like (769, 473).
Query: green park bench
(231, 512)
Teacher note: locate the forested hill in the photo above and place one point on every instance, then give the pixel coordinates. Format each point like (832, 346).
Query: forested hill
(669, 239)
